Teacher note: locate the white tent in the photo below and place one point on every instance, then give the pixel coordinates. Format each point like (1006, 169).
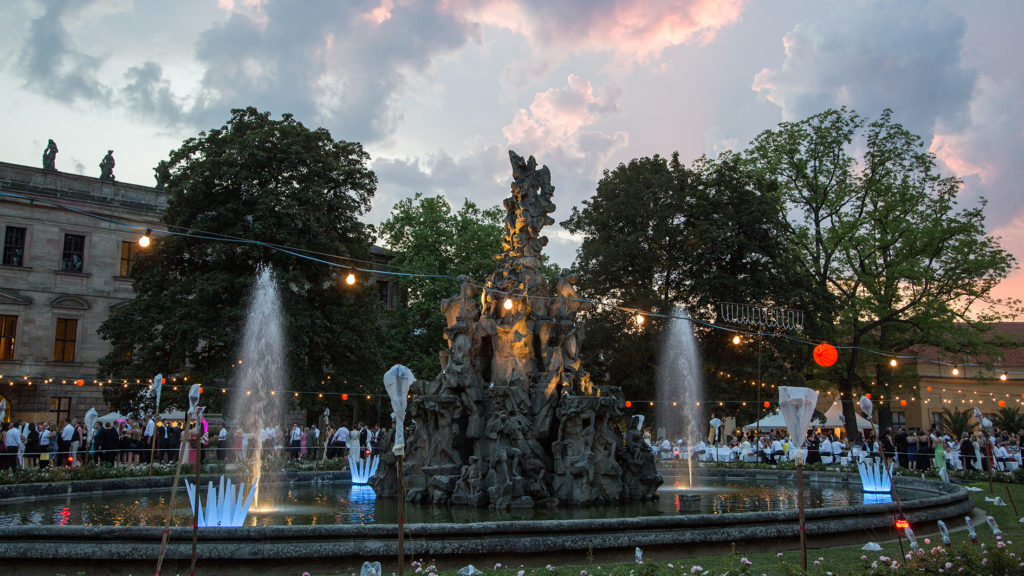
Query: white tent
(832, 419)
(769, 422)
(115, 417)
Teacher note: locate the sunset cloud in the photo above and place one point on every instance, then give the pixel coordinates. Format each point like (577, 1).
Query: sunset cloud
(635, 30)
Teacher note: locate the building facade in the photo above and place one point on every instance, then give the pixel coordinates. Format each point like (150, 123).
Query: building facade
(68, 244)
(68, 247)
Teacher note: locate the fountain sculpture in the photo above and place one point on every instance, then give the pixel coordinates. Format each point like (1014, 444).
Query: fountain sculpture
(513, 420)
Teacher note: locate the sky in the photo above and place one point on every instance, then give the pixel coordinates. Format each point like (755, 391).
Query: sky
(439, 91)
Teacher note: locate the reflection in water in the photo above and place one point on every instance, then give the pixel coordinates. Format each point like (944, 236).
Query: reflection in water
(362, 502)
(342, 503)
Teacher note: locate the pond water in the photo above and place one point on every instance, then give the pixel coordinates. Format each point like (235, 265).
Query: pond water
(342, 503)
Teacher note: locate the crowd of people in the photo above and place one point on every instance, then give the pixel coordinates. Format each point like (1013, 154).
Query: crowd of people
(130, 442)
(913, 449)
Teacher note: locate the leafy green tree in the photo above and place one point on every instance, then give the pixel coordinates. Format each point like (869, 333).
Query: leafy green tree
(278, 184)
(658, 236)
(1009, 418)
(894, 261)
(956, 422)
(435, 244)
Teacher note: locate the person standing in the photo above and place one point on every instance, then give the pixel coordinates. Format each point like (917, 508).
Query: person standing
(44, 446)
(64, 443)
(901, 447)
(12, 445)
(148, 430)
(294, 442)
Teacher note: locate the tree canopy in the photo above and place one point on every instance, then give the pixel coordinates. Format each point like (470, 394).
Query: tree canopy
(237, 195)
(659, 236)
(895, 261)
(844, 218)
(435, 243)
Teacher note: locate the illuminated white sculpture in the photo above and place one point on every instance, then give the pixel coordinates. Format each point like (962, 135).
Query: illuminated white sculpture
(224, 507)
(363, 469)
(874, 478)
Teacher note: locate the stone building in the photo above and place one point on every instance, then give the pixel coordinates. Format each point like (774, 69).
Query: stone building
(62, 272)
(67, 246)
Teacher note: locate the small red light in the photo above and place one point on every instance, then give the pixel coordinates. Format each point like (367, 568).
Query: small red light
(868, 396)
(344, 397)
(629, 404)
(902, 524)
(767, 404)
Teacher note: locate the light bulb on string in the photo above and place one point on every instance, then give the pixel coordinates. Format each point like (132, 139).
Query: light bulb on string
(507, 304)
(736, 339)
(350, 279)
(639, 319)
(145, 239)
(893, 363)
(1003, 376)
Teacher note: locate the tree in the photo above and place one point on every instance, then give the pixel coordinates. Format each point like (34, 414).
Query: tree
(1009, 419)
(435, 244)
(237, 195)
(658, 236)
(893, 260)
(956, 422)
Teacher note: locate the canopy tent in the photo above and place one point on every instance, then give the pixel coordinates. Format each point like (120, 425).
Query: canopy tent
(832, 420)
(769, 422)
(115, 417)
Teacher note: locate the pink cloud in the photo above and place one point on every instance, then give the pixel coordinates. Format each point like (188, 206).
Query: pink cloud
(635, 30)
(558, 118)
(1011, 237)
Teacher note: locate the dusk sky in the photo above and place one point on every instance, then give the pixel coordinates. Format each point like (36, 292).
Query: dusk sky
(438, 92)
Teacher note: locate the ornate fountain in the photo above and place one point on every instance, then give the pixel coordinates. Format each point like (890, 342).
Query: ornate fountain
(513, 420)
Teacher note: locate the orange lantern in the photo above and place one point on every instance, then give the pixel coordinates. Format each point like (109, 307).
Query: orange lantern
(825, 354)
(629, 404)
(344, 397)
(767, 404)
(79, 382)
(903, 402)
(1002, 403)
(868, 396)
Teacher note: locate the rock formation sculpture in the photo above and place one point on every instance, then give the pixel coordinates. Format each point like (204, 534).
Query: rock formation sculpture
(513, 420)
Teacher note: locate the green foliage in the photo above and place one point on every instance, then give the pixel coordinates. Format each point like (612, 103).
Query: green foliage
(956, 422)
(430, 239)
(894, 261)
(1009, 418)
(277, 183)
(659, 236)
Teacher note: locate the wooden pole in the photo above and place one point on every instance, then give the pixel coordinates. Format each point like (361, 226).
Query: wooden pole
(195, 512)
(174, 492)
(152, 443)
(800, 510)
(401, 515)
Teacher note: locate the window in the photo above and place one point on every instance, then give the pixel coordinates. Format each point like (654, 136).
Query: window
(60, 407)
(64, 341)
(8, 325)
(74, 253)
(936, 420)
(382, 289)
(129, 252)
(899, 419)
(14, 246)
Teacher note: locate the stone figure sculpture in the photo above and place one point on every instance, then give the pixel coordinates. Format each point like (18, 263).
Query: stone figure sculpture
(107, 167)
(50, 156)
(513, 419)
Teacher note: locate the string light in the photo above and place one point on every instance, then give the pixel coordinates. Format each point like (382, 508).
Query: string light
(507, 305)
(350, 279)
(144, 240)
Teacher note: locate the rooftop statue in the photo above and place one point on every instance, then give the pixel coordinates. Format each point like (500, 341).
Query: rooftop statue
(513, 420)
(107, 167)
(50, 156)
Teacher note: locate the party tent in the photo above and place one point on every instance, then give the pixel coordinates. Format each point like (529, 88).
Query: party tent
(769, 422)
(833, 420)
